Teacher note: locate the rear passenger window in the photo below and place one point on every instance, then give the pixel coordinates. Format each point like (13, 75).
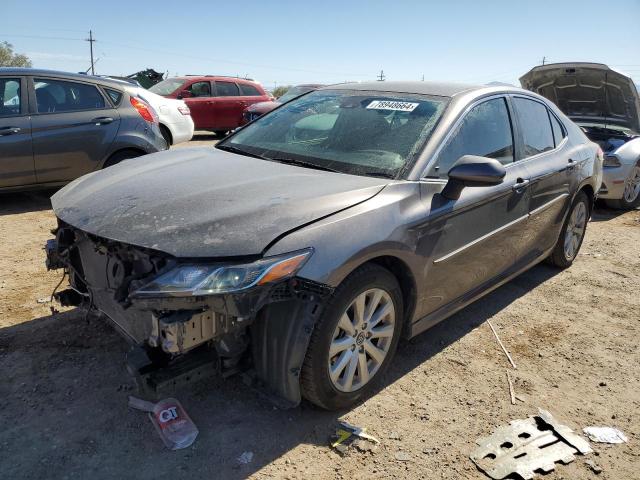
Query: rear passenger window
(9, 97)
(533, 120)
(53, 96)
(484, 131)
(249, 90)
(114, 95)
(558, 131)
(227, 89)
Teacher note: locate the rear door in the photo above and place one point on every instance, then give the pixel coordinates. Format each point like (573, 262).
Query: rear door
(201, 105)
(249, 95)
(229, 105)
(479, 237)
(16, 154)
(73, 126)
(544, 150)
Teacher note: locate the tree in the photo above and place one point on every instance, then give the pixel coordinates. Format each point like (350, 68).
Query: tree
(10, 59)
(279, 91)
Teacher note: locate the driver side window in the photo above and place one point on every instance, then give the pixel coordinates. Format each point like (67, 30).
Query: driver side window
(200, 89)
(485, 131)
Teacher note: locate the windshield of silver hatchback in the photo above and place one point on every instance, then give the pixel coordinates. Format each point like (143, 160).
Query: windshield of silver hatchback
(357, 132)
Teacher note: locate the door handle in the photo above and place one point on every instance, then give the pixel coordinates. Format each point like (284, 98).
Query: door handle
(102, 120)
(9, 131)
(520, 185)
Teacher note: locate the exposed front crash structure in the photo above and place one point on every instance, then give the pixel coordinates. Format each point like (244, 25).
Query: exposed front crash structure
(232, 315)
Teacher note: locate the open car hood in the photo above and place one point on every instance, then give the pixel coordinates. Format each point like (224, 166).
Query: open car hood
(204, 202)
(587, 92)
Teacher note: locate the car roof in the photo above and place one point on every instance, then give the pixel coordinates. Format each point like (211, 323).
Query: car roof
(216, 77)
(442, 89)
(55, 73)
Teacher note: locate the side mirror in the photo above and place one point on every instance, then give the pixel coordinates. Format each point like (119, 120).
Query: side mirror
(472, 171)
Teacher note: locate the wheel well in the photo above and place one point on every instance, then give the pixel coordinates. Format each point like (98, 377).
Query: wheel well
(164, 128)
(588, 189)
(405, 278)
(136, 152)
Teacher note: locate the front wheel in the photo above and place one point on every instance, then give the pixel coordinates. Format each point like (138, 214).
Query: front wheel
(631, 195)
(572, 234)
(354, 340)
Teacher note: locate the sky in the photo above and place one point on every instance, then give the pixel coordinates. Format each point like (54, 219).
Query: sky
(287, 42)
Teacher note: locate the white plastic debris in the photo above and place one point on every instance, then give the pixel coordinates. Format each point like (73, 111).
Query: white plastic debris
(245, 458)
(605, 435)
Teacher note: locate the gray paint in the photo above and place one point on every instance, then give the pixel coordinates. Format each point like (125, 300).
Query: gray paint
(55, 148)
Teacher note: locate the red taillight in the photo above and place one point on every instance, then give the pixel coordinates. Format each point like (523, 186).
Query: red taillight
(145, 110)
(183, 109)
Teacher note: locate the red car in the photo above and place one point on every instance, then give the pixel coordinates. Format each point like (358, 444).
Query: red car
(258, 109)
(216, 102)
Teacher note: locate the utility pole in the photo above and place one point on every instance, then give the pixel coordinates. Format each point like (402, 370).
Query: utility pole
(544, 59)
(381, 77)
(91, 40)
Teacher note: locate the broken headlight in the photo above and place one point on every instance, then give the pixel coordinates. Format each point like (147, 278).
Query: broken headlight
(204, 279)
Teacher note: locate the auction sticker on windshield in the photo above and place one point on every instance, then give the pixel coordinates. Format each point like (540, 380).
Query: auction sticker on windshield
(392, 105)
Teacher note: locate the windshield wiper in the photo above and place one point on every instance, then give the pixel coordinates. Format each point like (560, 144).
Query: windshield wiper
(302, 163)
(239, 151)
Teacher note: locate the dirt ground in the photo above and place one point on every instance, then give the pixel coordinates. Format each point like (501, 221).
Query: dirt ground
(573, 334)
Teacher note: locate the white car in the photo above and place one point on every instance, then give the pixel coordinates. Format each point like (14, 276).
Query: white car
(175, 119)
(606, 105)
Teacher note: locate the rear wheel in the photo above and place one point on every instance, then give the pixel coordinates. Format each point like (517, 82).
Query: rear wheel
(120, 156)
(631, 195)
(354, 340)
(221, 133)
(572, 234)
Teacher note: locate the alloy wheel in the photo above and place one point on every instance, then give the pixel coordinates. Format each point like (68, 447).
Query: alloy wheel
(632, 185)
(361, 340)
(575, 230)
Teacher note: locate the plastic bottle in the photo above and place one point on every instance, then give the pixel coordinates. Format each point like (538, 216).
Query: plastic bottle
(174, 426)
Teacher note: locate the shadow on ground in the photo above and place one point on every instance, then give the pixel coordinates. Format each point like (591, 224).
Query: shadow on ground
(23, 202)
(63, 402)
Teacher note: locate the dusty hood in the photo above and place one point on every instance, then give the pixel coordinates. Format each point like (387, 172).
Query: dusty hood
(204, 202)
(587, 92)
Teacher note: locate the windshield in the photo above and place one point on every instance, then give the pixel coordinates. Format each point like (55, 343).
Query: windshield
(167, 87)
(292, 93)
(358, 132)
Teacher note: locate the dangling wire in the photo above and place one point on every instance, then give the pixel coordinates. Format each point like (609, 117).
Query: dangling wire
(51, 307)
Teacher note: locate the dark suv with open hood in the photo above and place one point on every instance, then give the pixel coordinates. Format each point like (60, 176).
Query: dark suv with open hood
(306, 244)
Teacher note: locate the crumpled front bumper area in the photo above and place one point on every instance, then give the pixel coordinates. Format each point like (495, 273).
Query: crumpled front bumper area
(103, 274)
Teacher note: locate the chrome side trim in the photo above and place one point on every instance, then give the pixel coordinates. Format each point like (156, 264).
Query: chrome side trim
(548, 204)
(480, 239)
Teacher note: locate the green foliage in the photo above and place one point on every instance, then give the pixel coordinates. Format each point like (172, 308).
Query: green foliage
(10, 59)
(279, 91)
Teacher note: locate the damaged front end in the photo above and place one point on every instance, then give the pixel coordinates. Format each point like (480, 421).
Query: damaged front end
(183, 315)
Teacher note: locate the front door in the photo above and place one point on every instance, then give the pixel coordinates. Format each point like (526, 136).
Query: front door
(16, 154)
(474, 240)
(200, 102)
(73, 127)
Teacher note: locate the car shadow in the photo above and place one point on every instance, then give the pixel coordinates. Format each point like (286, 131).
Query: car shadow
(204, 136)
(603, 214)
(23, 202)
(65, 388)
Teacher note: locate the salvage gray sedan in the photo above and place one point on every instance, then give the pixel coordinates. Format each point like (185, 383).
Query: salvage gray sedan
(305, 245)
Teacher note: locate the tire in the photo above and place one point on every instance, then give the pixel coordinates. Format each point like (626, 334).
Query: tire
(562, 255)
(374, 283)
(631, 196)
(166, 134)
(120, 156)
(221, 133)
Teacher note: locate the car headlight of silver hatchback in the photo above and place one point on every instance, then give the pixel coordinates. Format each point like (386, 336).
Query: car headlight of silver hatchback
(210, 279)
(611, 161)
